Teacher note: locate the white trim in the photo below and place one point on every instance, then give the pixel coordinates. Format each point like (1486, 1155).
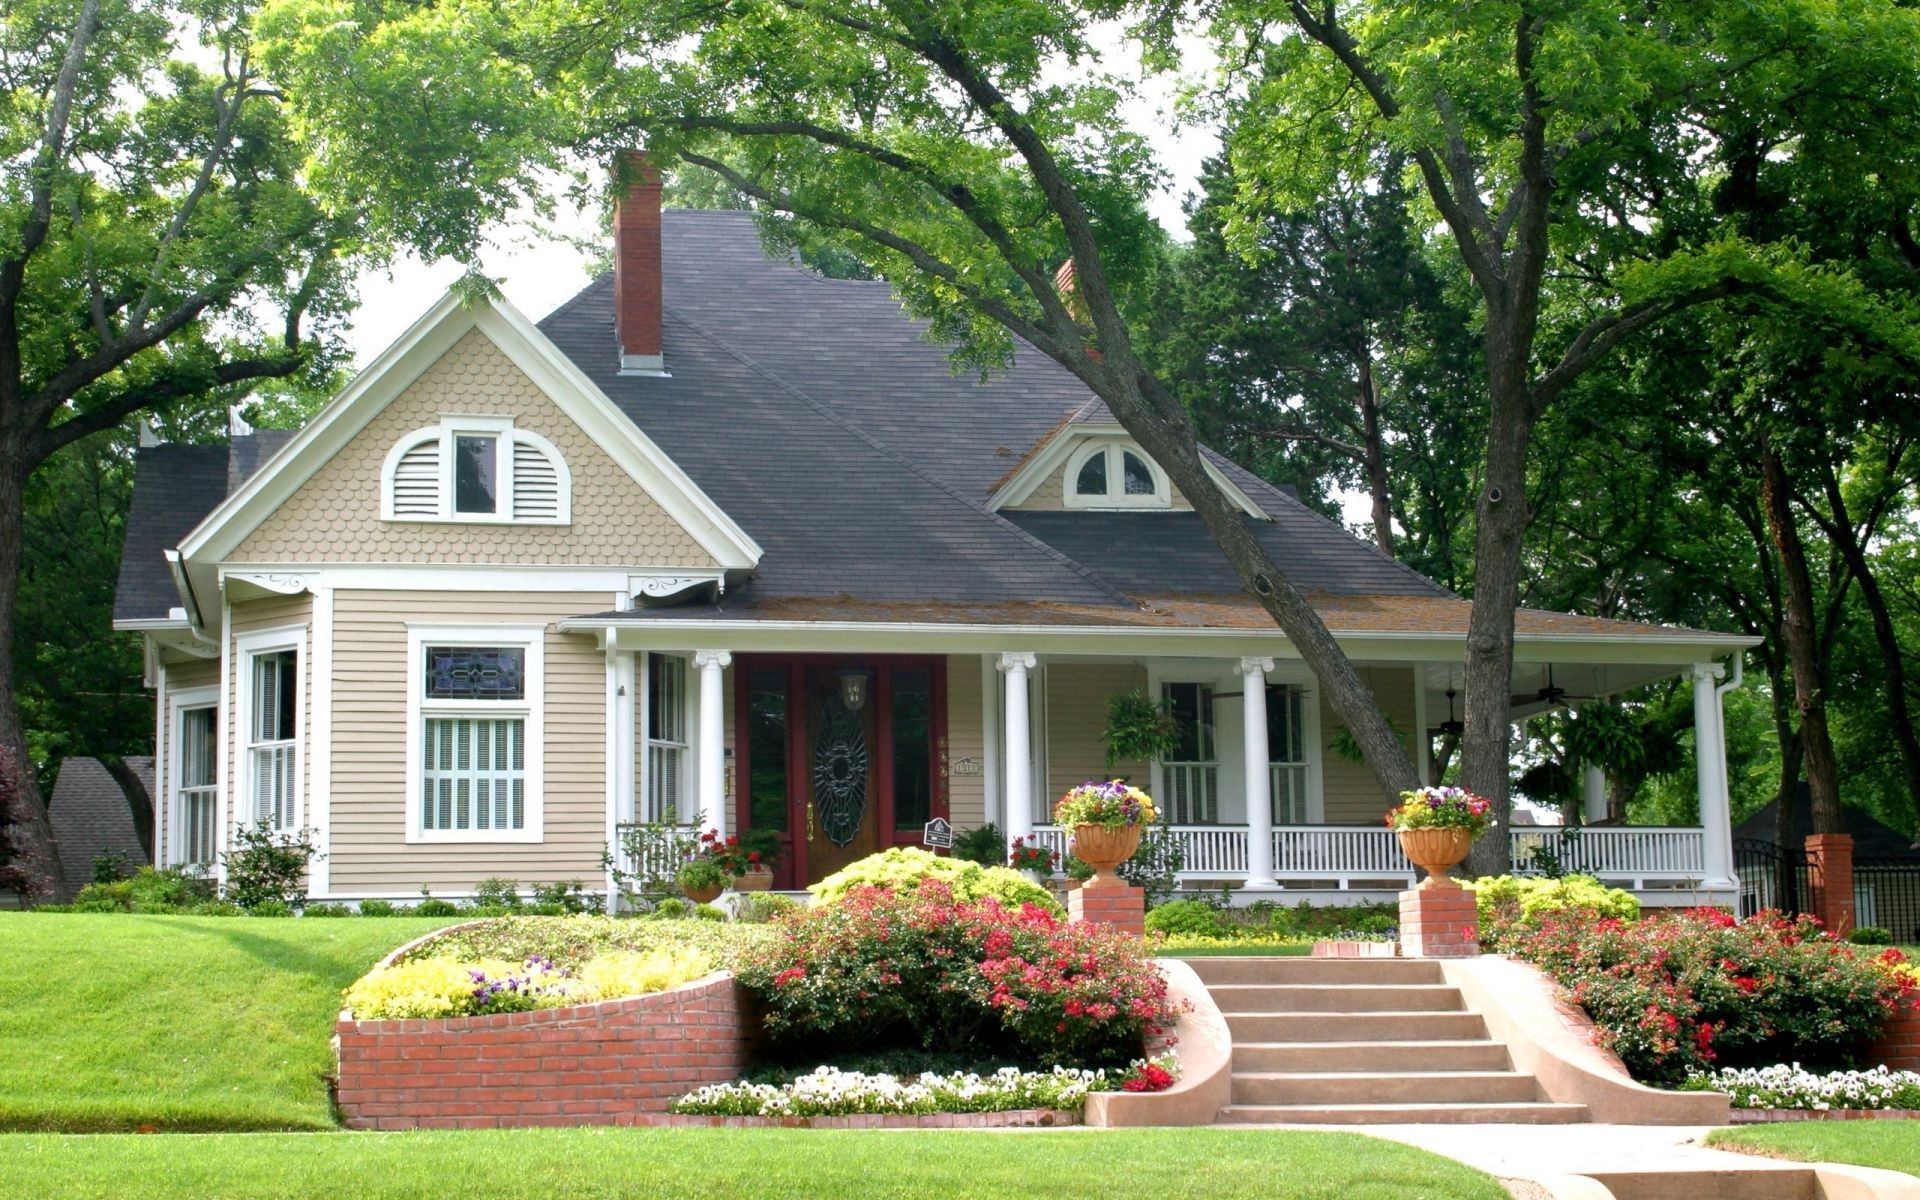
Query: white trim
(711, 758)
(160, 756)
(175, 711)
(1115, 496)
(223, 764)
(1422, 747)
(405, 360)
(319, 740)
(249, 646)
(455, 425)
(993, 801)
(1051, 459)
(531, 639)
(454, 577)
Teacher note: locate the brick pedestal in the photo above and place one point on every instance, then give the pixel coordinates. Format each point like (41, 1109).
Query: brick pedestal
(1439, 923)
(1830, 880)
(1109, 900)
(1898, 1046)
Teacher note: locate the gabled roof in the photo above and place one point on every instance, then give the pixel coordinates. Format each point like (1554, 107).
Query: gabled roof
(91, 818)
(174, 488)
(1871, 837)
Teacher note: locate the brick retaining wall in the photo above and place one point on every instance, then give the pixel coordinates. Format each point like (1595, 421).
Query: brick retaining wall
(589, 1064)
(1898, 1047)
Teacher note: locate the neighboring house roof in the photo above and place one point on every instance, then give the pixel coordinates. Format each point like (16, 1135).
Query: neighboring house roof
(90, 817)
(827, 426)
(1871, 838)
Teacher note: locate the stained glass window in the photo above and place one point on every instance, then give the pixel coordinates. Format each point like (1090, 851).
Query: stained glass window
(912, 747)
(1138, 478)
(476, 673)
(1092, 480)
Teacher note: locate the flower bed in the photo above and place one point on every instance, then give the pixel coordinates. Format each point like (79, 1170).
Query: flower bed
(1676, 996)
(571, 942)
(1790, 1088)
(828, 1092)
(449, 987)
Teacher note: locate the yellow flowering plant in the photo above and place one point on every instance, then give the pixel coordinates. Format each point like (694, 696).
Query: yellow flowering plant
(1115, 804)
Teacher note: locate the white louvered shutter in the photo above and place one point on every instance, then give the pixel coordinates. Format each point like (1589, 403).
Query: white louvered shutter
(416, 481)
(536, 484)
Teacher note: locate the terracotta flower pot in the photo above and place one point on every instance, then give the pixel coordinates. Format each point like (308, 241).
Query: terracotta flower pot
(758, 879)
(1436, 851)
(1105, 847)
(704, 895)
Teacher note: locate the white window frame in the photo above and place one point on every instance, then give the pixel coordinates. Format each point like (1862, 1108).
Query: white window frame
(184, 701)
(1304, 764)
(1116, 495)
(531, 640)
(248, 647)
(651, 805)
(456, 425)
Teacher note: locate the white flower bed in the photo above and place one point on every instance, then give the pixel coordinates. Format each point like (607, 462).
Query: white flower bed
(1790, 1086)
(830, 1092)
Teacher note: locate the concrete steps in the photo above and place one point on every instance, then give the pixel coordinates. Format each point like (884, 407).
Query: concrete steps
(1363, 1042)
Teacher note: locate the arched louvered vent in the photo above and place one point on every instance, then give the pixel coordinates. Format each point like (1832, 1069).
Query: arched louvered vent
(416, 481)
(536, 484)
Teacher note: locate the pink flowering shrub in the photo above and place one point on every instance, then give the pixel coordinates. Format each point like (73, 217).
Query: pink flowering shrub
(878, 969)
(1700, 989)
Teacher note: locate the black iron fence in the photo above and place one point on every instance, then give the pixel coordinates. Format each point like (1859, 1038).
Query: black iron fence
(1886, 892)
(1771, 876)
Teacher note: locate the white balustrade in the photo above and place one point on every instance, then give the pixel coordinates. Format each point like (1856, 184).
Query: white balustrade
(1668, 856)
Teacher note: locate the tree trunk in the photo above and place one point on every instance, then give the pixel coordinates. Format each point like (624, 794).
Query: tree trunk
(1893, 662)
(1809, 678)
(35, 869)
(1620, 790)
(139, 801)
(1376, 459)
(1503, 517)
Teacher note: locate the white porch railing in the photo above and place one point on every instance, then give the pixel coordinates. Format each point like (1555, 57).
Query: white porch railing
(1667, 855)
(1344, 857)
(658, 858)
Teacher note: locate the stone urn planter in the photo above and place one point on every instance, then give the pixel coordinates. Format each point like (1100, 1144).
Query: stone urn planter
(1104, 847)
(759, 879)
(1436, 851)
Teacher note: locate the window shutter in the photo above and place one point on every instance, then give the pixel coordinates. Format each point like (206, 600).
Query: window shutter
(536, 484)
(416, 481)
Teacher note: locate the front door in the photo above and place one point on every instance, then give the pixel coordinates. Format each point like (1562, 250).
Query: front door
(840, 775)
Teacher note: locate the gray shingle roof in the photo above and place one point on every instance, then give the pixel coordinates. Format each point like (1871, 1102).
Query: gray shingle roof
(90, 817)
(823, 420)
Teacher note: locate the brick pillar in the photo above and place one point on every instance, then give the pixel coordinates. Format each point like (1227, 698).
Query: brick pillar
(1830, 879)
(1898, 1046)
(1439, 923)
(1109, 900)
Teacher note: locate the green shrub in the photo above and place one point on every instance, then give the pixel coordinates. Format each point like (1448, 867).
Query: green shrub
(670, 909)
(147, 890)
(709, 912)
(569, 897)
(269, 908)
(571, 942)
(984, 844)
(433, 906)
(1510, 904)
(1187, 917)
(488, 910)
(1871, 935)
(268, 867)
(758, 908)
(377, 908)
(1310, 921)
(495, 892)
(110, 865)
(326, 910)
(217, 908)
(53, 908)
(905, 868)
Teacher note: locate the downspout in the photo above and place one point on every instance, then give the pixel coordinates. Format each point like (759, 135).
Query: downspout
(195, 620)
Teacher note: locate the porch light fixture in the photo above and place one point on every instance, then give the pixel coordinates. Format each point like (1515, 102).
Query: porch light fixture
(853, 688)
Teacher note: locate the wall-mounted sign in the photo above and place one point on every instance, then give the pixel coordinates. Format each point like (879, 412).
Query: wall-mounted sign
(968, 765)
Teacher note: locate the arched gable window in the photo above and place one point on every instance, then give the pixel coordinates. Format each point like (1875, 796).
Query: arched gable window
(1113, 474)
(476, 469)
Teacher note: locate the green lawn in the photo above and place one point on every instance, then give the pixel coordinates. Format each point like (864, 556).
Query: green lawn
(115, 1022)
(1892, 1145)
(738, 1164)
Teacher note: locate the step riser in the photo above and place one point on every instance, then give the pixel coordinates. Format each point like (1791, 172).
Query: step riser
(1373, 1056)
(1503, 1114)
(1356, 1027)
(1345, 998)
(1315, 970)
(1392, 1089)
(1757, 1184)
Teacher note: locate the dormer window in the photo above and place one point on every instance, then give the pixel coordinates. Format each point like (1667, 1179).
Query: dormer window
(476, 469)
(1110, 474)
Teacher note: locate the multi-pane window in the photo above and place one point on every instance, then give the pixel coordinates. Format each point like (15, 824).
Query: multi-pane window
(476, 473)
(666, 736)
(1115, 475)
(767, 748)
(1191, 773)
(1287, 753)
(912, 704)
(199, 791)
(473, 739)
(273, 737)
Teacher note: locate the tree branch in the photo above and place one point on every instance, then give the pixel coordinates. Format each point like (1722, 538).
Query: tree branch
(156, 395)
(52, 145)
(1600, 335)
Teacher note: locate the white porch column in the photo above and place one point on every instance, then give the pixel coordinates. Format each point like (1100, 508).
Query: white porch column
(1017, 745)
(1710, 763)
(1253, 689)
(1594, 793)
(713, 764)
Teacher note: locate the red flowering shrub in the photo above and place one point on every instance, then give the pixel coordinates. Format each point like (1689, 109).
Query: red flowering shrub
(878, 969)
(1701, 988)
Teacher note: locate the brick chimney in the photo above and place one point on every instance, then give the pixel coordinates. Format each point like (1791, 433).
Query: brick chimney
(636, 265)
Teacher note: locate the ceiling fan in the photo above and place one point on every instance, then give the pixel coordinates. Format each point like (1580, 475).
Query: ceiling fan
(1452, 726)
(1550, 695)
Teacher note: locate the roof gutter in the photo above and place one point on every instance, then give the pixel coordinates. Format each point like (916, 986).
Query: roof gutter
(177, 566)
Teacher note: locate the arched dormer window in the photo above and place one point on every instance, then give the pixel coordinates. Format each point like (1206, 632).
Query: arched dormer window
(1113, 474)
(476, 469)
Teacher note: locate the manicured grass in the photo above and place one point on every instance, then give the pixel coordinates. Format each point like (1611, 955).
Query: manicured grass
(117, 1022)
(1890, 1145)
(1231, 950)
(739, 1164)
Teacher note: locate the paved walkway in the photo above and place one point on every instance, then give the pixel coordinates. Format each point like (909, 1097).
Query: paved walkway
(1534, 1151)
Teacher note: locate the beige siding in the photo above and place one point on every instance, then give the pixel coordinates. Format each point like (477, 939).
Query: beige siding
(1076, 714)
(183, 674)
(335, 516)
(370, 789)
(253, 616)
(966, 738)
(1353, 795)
